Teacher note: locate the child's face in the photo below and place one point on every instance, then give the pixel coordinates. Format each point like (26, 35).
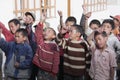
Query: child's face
(100, 41)
(73, 34)
(116, 22)
(107, 28)
(28, 19)
(19, 38)
(69, 24)
(48, 34)
(13, 28)
(94, 27)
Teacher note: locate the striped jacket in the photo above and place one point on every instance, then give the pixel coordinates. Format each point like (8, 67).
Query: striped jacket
(76, 56)
(47, 54)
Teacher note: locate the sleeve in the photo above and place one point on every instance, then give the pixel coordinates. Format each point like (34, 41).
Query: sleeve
(28, 59)
(84, 23)
(4, 45)
(112, 57)
(38, 33)
(62, 42)
(8, 35)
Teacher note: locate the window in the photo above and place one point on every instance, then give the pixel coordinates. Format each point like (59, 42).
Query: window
(35, 6)
(95, 5)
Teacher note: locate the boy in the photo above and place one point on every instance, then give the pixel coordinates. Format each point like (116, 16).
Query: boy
(103, 61)
(47, 54)
(116, 20)
(75, 54)
(68, 23)
(112, 42)
(18, 56)
(14, 24)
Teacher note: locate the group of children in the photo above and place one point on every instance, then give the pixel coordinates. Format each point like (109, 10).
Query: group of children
(74, 53)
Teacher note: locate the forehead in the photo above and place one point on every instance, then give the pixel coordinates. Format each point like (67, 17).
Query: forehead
(69, 22)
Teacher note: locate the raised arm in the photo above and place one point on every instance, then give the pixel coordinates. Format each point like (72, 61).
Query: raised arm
(8, 35)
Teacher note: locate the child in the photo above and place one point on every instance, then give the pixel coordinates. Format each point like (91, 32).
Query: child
(112, 42)
(75, 54)
(116, 31)
(68, 23)
(47, 54)
(94, 25)
(28, 24)
(103, 61)
(14, 24)
(18, 56)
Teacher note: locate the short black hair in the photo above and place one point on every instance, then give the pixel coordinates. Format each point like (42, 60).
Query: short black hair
(110, 21)
(23, 31)
(103, 33)
(31, 14)
(95, 21)
(78, 28)
(15, 21)
(71, 18)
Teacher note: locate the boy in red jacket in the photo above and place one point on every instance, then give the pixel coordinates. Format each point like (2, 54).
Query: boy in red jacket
(47, 54)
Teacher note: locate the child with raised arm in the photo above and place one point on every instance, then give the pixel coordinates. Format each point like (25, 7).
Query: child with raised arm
(76, 56)
(103, 61)
(18, 56)
(47, 53)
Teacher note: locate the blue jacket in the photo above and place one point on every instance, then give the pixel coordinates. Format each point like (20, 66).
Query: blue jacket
(21, 53)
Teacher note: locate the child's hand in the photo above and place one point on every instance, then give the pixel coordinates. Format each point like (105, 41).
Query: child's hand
(88, 15)
(44, 16)
(84, 9)
(16, 64)
(60, 13)
(64, 29)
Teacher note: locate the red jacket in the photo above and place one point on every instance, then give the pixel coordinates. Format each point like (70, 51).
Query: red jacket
(47, 54)
(8, 35)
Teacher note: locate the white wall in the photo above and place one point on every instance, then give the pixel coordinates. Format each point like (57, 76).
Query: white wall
(7, 7)
(6, 11)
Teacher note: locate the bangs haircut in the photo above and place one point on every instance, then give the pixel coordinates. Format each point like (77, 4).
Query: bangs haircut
(110, 21)
(104, 34)
(23, 31)
(78, 28)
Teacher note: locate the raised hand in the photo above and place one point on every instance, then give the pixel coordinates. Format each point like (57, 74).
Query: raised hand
(60, 13)
(43, 16)
(64, 29)
(88, 15)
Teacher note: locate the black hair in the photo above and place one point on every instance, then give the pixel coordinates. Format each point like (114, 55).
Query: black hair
(95, 21)
(71, 18)
(15, 21)
(103, 33)
(80, 29)
(31, 14)
(23, 31)
(110, 21)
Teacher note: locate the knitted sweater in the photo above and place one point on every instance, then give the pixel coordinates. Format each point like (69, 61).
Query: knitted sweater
(76, 56)
(47, 54)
